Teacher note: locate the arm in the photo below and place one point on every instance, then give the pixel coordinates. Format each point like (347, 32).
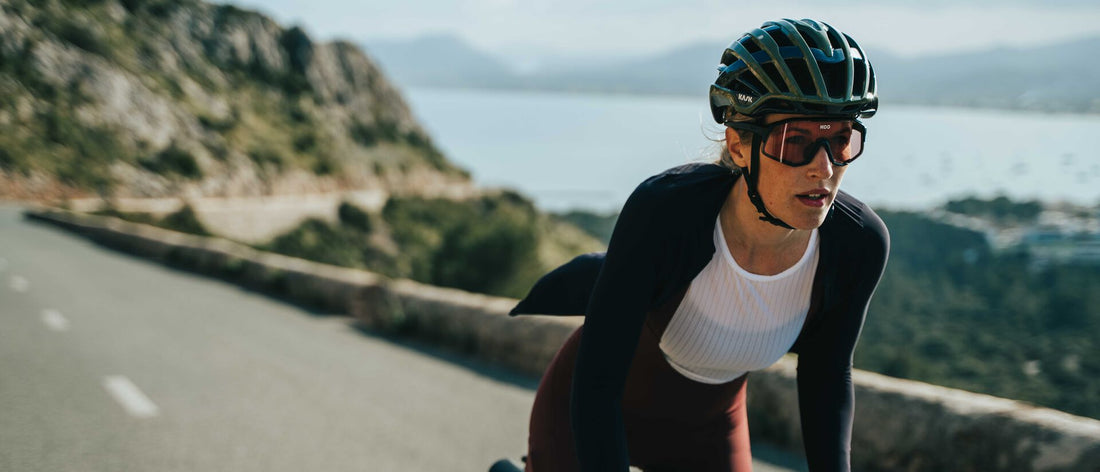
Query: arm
(613, 323)
(565, 290)
(825, 393)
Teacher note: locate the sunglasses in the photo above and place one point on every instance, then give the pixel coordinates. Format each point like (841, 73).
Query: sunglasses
(795, 142)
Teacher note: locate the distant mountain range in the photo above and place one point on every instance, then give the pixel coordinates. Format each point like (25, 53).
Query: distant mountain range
(1059, 77)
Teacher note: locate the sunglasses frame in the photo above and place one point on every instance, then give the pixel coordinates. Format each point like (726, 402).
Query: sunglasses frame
(761, 133)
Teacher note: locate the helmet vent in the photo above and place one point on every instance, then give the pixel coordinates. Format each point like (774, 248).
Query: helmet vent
(808, 39)
(835, 78)
(751, 46)
(859, 78)
(802, 76)
(781, 39)
(776, 77)
(728, 58)
(751, 84)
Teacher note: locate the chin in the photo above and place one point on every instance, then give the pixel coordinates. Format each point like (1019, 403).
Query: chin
(809, 222)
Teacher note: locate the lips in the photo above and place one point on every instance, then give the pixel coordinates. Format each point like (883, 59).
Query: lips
(813, 198)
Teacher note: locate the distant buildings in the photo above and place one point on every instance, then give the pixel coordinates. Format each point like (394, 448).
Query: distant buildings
(1061, 234)
(1064, 235)
(1052, 245)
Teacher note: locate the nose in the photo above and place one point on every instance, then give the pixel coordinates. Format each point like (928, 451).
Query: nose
(821, 167)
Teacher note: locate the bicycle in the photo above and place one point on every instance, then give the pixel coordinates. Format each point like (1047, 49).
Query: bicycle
(508, 465)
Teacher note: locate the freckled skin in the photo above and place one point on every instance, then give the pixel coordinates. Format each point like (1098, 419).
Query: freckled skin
(761, 247)
(779, 184)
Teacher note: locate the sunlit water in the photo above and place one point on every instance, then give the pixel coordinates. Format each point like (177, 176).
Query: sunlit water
(590, 151)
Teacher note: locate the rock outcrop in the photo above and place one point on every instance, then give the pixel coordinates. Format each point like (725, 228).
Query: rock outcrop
(156, 98)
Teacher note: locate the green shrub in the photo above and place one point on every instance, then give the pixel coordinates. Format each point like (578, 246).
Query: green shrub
(362, 134)
(80, 36)
(267, 155)
(144, 218)
(305, 142)
(160, 8)
(422, 142)
(185, 220)
(951, 311)
(82, 3)
(320, 241)
(173, 161)
(387, 129)
(132, 5)
(484, 255)
(383, 130)
(225, 13)
(77, 154)
(1001, 209)
(482, 245)
(326, 165)
(93, 175)
(7, 161)
(354, 217)
(299, 49)
(297, 114)
(221, 125)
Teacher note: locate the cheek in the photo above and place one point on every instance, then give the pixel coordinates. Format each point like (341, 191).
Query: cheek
(838, 174)
(778, 182)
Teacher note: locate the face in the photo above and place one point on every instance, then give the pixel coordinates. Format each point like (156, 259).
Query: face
(800, 196)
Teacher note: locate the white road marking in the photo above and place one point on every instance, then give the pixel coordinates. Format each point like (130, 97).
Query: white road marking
(130, 397)
(3, 264)
(19, 284)
(54, 320)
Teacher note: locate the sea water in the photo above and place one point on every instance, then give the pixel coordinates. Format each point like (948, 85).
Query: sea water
(589, 151)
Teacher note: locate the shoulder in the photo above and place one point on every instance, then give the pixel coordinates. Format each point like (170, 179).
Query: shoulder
(686, 176)
(685, 182)
(673, 204)
(859, 223)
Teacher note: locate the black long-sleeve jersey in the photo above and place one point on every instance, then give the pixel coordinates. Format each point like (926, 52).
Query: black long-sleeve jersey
(661, 241)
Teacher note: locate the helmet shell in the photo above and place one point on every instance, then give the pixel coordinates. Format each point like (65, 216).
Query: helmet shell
(794, 66)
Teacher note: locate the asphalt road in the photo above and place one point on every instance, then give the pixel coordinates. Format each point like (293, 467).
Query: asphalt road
(112, 363)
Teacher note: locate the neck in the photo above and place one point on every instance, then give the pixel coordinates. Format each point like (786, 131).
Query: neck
(748, 234)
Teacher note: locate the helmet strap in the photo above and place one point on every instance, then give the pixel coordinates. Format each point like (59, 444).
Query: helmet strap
(752, 175)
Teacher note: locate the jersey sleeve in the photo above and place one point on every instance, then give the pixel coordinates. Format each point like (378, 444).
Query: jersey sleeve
(565, 290)
(825, 392)
(614, 318)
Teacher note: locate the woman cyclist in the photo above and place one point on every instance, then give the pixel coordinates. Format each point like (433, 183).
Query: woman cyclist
(715, 270)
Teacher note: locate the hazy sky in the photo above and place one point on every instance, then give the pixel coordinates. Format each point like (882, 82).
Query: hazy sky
(521, 29)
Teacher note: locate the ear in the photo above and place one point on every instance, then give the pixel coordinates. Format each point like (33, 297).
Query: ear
(739, 151)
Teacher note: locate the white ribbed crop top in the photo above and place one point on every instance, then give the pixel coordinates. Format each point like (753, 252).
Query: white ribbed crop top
(732, 321)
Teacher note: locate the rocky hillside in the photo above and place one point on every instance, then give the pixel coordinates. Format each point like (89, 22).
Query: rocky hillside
(154, 98)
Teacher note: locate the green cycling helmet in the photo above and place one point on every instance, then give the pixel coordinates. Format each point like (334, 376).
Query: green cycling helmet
(794, 66)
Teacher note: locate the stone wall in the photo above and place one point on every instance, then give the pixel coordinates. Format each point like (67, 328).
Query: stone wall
(901, 425)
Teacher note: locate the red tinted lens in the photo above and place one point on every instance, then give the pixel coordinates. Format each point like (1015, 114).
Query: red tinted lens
(789, 141)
